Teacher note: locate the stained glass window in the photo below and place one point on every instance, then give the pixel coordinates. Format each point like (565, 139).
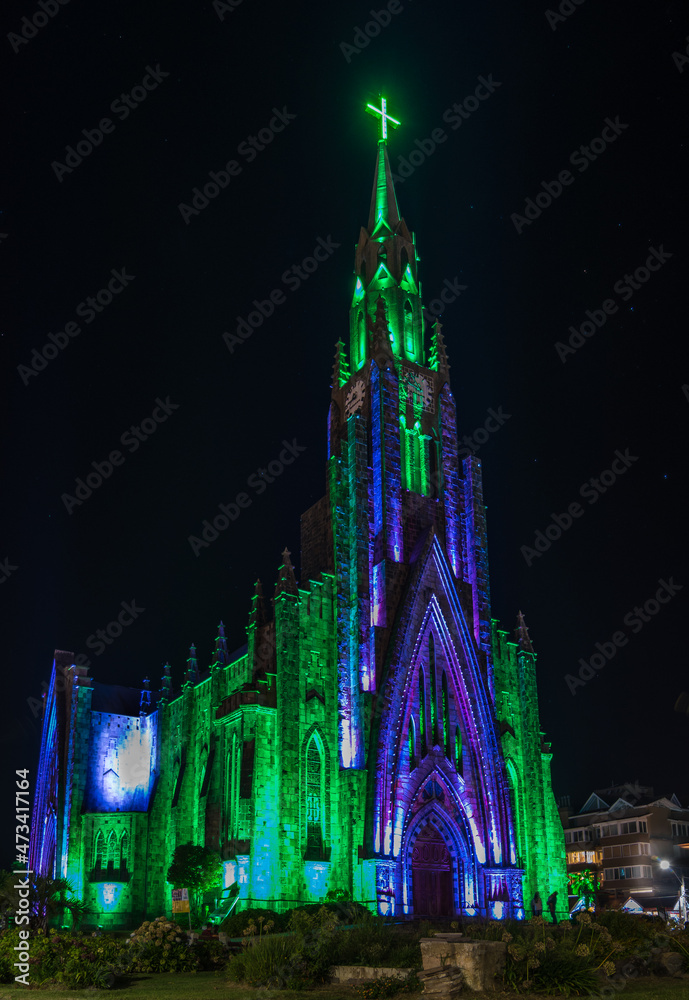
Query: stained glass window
(314, 800)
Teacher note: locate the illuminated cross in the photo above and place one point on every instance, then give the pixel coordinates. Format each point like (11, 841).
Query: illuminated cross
(384, 117)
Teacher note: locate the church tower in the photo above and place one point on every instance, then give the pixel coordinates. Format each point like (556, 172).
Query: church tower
(423, 773)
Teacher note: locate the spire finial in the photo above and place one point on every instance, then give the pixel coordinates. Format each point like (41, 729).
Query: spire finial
(384, 118)
(384, 214)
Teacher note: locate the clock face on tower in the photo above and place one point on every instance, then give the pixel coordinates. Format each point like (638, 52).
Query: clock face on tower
(355, 398)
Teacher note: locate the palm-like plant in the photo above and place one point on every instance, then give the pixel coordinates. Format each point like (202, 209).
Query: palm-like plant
(55, 897)
(48, 898)
(8, 897)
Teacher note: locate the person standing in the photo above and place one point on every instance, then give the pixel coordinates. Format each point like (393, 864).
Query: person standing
(552, 903)
(537, 905)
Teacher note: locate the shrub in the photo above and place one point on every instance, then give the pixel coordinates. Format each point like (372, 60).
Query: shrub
(77, 960)
(6, 971)
(373, 941)
(237, 922)
(337, 896)
(565, 975)
(273, 961)
(388, 987)
(161, 945)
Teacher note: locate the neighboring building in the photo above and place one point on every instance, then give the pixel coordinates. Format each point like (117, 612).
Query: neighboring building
(621, 834)
(378, 732)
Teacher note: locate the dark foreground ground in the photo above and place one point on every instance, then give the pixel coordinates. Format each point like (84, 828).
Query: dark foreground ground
(211, 985)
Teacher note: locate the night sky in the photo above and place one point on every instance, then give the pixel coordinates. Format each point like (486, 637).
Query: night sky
(183, 88)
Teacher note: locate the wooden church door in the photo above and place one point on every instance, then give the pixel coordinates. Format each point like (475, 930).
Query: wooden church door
(431, 875)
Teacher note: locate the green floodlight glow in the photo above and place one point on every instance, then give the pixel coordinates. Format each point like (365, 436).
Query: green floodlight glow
(384, 117)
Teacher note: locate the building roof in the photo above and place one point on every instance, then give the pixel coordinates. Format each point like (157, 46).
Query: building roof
(626, 797)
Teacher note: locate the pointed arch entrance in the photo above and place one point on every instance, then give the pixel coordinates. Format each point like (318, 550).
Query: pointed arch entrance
(431, 866)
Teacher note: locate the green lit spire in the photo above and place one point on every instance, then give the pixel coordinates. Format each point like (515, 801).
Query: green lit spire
(384, 214)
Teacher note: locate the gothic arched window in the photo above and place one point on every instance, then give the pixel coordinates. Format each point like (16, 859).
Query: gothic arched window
(458, 750)
(414, 458)
(112, 858)
(314, 799)
(234, 762)
(409, 331)
(434, 690)
(412, 743)
(361, 338)
(422, 710)
(447, 739)
(99, 851)
(124, 850)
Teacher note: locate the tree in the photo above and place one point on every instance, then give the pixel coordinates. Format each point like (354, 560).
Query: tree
(585, 883)
(197, 869)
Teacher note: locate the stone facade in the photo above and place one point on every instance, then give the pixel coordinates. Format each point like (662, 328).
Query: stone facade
(377, 733)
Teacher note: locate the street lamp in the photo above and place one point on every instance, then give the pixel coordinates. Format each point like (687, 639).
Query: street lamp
(666, 866)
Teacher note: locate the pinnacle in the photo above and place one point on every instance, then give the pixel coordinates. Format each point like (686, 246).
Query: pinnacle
(522, 634)
(287, 583)
(340, 367)
(258, 615)
(438, 359)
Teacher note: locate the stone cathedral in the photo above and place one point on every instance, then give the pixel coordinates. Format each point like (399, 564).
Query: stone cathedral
(378, 732)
